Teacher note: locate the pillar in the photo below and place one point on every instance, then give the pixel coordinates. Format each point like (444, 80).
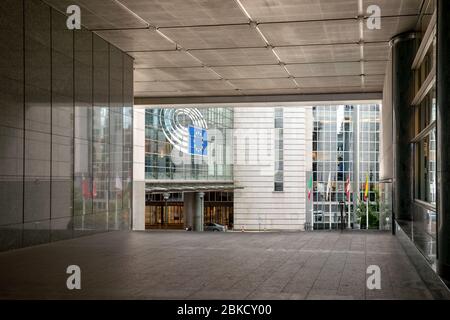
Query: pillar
(443, 138)
(403, 50)
(189, 209)
(199, 205)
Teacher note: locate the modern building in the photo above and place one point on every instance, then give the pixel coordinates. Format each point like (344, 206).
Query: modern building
(184, 175)
(272, 152)
(345, 155)
(264, 154)
(177, 113)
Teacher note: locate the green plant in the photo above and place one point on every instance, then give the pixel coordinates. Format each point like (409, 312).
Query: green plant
(373, 214)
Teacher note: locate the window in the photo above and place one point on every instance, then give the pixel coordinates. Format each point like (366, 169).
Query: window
(425, 168)
(279, 163)
(425, 148)
(339, 155)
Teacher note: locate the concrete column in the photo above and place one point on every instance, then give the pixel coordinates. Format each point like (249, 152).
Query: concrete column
(443, 138)
(138, 205)
(189, 209)
(199, 205)
(403, 50)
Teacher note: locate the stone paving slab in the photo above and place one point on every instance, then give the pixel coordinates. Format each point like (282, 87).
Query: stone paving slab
(189, 265)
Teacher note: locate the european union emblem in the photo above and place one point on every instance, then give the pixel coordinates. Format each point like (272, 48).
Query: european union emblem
(198, 141)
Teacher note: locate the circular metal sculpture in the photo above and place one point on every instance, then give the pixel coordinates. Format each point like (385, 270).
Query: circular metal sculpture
(175, 125)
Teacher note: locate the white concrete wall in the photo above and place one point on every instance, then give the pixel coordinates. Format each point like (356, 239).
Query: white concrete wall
(139, 169)
(257, 206)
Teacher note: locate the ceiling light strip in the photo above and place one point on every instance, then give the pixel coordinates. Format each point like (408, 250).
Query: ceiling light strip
(132, 13)
(166, 37)
(360, 8)
(210, 69)
(241, 6)
(263, 37)
(272, 49)
(261, 34)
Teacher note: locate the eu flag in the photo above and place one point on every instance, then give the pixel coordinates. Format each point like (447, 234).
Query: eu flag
(198, 141)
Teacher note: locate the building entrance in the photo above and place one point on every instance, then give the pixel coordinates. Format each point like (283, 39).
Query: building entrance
(218, 208)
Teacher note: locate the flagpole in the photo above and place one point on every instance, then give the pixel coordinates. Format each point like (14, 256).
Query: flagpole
(329, 199)
(116, 218)
(330, 214)
(349, 205)
(312, 202)
(84, 201)
(367, 214)
(312, 211)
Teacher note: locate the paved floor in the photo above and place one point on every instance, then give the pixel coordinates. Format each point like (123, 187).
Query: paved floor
(188, 265)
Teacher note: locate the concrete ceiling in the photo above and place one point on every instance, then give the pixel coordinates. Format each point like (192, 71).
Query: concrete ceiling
(249, 47)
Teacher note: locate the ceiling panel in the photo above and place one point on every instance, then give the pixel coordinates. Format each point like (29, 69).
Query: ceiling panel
(240, 56)
(161, 59)
(322, 53)
(350, 89)
(389, 28)
(249, 72)
(300, 10)
(376, 51)
(187, 12)
(317, 39)
(325, 69)
(232, 36)
(255, 92)
(374, 81)
(333, 82)
(200, 85)
(137, 40)
(210, 93)
(395, 8)
(375, 67)
(318, 90)
(285, 83)
(172, 74)
(154, 86)
(101, 14)
(312, 32)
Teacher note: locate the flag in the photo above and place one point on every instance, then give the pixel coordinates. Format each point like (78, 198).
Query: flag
(94, 189)
(348, 188)
(366, 189)
(328, 186)
(85, 188)
(310, 185)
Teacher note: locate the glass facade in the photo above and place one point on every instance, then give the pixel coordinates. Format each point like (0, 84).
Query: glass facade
(369, 149)
(187, 146)
(65, 131)
(425, 141)
(421, 226)
(345, 148)
(167, 153)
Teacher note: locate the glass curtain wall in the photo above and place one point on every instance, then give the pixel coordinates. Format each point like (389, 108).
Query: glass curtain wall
(423, 229)
(339, 156)
(369, 167)
(65, 131)
(166, 143)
